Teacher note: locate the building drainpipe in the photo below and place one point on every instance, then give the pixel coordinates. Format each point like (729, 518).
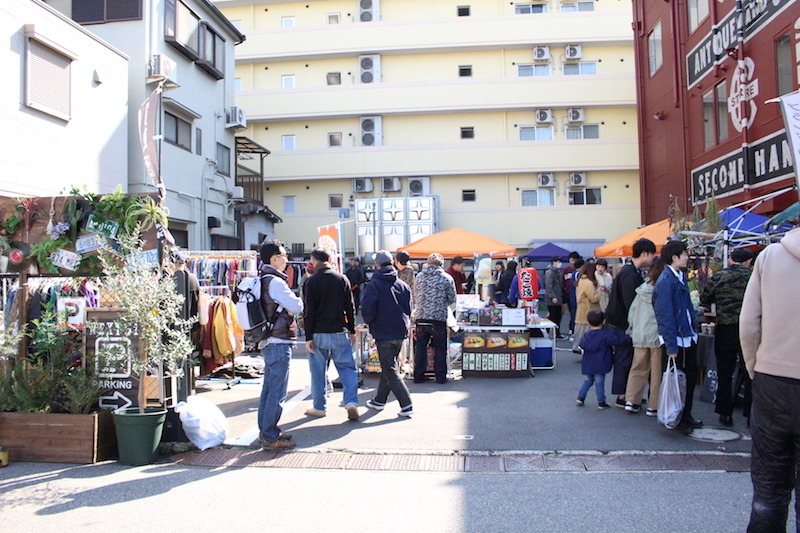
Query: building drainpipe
(741, 72)
(638, 29)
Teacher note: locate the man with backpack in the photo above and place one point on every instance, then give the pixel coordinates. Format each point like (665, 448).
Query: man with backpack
(280, 305)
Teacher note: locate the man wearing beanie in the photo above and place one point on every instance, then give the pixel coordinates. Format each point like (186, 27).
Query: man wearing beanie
(726, 289)
(386, 307)
(404, 271)
(434, 291)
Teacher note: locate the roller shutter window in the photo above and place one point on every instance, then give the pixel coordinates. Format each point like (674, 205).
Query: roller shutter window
(48, 86)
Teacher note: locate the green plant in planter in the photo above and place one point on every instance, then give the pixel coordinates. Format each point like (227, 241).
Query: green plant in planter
(151, 307)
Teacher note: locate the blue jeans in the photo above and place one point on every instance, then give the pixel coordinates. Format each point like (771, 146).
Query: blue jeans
(334, 347)
(599, 382)
(273, 392)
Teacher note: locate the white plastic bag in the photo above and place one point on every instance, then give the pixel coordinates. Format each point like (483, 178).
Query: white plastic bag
(203, 422)
(672, 395)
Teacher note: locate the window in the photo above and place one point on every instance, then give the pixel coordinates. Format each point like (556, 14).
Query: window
(287, 22)
(465, 71)
(287, 142)
(525, 70)
(468, 195)
(584, 131)
(335, 139)
(582, 68)
(587, 196)
(182, 28)
(289, 204)
(574, 7)
(463, 11)
(198, 141)
(521, 9)
(223, 160)
(783, 64)
(698, 10)
(334, 78)
(715, 115)
(48, 86)
(655, 49)
(333, 18)
(287, 81)
(335, 201)
(177, 131)
(468, 133)
(538, 197)
(212, 52)
(93, 11)
(536, 133)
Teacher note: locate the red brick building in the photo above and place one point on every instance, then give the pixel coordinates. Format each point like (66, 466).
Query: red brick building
(706, 69)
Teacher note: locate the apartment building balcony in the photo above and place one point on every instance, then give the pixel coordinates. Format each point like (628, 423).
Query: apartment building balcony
(435, 35)
(454, 159)
(250, 180)
(439, 97)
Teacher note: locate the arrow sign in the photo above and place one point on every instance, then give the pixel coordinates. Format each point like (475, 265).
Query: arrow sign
(113, 401)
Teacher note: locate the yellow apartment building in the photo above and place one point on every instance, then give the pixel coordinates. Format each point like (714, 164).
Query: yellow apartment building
(517, 118)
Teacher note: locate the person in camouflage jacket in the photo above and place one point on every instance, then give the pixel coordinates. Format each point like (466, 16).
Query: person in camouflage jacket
(726, 289)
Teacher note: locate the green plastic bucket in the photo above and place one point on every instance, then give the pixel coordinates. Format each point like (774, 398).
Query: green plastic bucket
(139, 434)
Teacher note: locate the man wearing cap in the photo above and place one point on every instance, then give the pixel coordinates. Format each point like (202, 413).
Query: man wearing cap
(404, 271)
(434, 291)
(386, 307)
(726, 289)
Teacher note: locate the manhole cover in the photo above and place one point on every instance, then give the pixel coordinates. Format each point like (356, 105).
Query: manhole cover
(714, 434)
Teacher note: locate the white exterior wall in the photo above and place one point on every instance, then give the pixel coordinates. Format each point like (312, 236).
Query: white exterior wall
(195, 191)
(43, 155)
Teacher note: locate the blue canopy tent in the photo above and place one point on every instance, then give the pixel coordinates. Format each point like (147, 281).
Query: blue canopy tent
(545, 252)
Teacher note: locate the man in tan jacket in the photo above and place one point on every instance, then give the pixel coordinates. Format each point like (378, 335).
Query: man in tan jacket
(769, 330)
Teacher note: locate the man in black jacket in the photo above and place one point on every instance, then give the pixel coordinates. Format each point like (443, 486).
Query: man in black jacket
(504, 283)
(386, 307)
(329, 322)
(623, 291)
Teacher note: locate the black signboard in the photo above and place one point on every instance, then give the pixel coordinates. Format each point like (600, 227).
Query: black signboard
(116, 375)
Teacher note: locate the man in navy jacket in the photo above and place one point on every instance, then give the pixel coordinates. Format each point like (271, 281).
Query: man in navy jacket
(677, 323)
(386, 307)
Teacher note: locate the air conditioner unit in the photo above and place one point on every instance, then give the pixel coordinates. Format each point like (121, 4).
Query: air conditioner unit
(369, 68)
(574, 51)
(369, 10)
(390, 184)
(546, 179)
(419, 186)
(162, 68)
(544, 116)
(371, 131)
(541, 53)
(362, 185)
(237, 194)
(577, 179)
(575, 114)
(236, 118)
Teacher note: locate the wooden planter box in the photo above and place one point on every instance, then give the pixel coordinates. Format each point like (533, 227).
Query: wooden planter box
(58, 438)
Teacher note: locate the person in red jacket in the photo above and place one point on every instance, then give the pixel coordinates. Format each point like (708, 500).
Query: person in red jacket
(456, 272)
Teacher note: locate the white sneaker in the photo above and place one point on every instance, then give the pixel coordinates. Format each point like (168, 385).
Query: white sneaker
(372, 404)
(406, 411)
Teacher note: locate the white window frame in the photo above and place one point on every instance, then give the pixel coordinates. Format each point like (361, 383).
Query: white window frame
(581, 6)
(335, 139)
(697, 11)
(540, 133)
(655, 49)
(579, 131)
(48, 77)
(550, 193)
(287, 22)
(223, 154)
(289, 204)
(287, 81)
(582, 65)
(332, 201)
(334, 18)
(572, 196)
(536, 70)
(533, 8)
(288, 142)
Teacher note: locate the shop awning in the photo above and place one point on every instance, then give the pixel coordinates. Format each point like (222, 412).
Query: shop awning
(453, 242)
(789, 214)
(658, 232)
(546, 252)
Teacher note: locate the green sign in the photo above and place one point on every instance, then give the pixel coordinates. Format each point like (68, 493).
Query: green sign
(109, 228)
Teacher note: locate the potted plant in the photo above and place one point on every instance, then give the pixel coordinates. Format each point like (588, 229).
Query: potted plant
(151, 308)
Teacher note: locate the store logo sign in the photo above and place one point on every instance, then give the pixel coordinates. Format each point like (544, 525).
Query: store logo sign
(744, 89)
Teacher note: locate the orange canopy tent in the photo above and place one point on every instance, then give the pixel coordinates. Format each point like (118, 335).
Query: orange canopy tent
(453, 242)
(657, 232)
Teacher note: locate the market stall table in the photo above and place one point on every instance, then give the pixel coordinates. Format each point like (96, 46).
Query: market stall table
(508, 351)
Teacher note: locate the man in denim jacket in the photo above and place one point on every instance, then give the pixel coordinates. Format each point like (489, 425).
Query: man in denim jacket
(677, 324)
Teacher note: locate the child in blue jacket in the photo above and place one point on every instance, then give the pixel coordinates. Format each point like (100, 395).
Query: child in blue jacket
(598, 357)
